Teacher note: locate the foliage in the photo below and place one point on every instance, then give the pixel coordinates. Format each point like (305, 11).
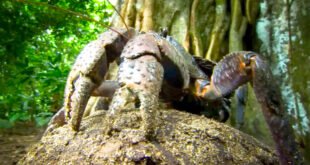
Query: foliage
(39, 41)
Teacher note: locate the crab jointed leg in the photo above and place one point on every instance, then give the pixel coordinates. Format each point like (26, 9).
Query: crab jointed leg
(140, 76)
(89, 70)
(242, 67)
(141, 80)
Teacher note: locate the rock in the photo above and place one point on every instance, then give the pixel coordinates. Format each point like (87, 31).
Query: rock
(181, 138)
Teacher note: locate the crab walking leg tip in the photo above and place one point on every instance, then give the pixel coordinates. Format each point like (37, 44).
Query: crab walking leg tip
(83, 89)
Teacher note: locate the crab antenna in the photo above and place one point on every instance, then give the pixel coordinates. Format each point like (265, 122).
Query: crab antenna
(118, 14)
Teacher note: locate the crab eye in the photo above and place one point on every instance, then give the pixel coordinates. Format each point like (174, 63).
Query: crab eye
(248, 56)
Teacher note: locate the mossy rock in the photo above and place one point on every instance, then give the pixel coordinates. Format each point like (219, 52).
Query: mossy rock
(181, 138)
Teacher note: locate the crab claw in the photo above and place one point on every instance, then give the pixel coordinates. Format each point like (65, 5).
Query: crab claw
(239, 68)
(230, 73)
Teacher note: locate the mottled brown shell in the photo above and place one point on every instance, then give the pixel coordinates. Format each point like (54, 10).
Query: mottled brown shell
(141, 45)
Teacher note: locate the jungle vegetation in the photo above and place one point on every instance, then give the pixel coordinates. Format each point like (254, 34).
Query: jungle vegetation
(39, 42)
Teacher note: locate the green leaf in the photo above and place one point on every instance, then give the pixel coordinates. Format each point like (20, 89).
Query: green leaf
(38, 45)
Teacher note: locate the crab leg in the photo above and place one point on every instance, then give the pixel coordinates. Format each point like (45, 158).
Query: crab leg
(89, 70)
(268, 95)
(241, 67)
(106, 89)
(141, 80)
(140, 76)
(241, 95)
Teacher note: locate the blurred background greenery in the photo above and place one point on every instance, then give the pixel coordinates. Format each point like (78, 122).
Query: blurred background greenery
(39, 41)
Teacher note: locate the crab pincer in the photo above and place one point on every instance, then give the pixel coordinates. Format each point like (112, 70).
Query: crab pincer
(241, 67)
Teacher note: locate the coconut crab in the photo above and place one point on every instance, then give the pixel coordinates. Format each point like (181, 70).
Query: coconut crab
(152, 66)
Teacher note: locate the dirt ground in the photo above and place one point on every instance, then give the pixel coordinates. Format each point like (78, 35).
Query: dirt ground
(14, 142)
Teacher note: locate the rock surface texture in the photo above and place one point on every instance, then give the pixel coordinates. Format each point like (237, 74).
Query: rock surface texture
(181, 138)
